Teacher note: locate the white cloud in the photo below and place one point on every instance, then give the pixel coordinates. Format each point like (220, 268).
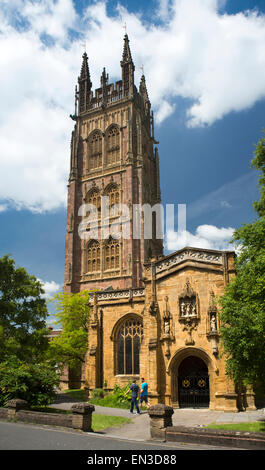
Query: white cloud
(3, 207)
(52, 18)
(50, 288)
(206, 236)
(195, 52)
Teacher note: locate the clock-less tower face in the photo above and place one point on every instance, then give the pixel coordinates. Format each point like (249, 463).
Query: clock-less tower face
(114, 170)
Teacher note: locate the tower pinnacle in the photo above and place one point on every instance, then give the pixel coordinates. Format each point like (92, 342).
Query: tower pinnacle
(128, 68)
(126, 56)
(85, 85)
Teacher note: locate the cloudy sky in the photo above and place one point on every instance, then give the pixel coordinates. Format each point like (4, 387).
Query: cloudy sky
(204, 62)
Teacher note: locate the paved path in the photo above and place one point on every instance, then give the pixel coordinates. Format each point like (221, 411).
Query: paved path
(139, 428)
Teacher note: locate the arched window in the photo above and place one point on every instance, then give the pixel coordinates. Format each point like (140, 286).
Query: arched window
(94, 198)
(93, 256)
(112, 254)
(129, 338)
(113, 145)
(113, 194)
(95, 150)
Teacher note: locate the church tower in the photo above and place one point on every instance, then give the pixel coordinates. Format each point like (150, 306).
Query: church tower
(114, 158)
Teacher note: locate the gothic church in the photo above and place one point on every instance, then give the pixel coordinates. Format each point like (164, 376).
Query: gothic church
(151, 316)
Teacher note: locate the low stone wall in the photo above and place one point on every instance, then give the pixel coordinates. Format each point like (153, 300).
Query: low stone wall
(54, 419)
(80, 418)
(215, 437)
(161, 429)
(3, 413)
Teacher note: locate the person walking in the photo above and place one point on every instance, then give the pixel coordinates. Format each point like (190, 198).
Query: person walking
(135, 390)
(144, 394)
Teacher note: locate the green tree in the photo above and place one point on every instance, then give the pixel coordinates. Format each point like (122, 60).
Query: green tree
(23, 312)
(72, 313)
(24, 371)
(243, 305)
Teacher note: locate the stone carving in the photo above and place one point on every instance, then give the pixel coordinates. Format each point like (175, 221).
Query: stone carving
(167, 333)
(188, 303)
(200, 255)
(212, 314)
(189, 311)
(166, 327)
(166, 318)
(190, 325)
(213, 323)
(213, 333)
(118, 294)
(153, 309)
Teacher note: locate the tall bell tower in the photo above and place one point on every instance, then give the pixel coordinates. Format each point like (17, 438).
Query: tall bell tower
(113, 157)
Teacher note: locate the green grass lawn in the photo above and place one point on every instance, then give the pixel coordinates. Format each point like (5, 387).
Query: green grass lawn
(257, 426)
(100, 422)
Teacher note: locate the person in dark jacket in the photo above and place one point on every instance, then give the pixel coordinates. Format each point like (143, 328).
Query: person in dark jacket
(135, 391)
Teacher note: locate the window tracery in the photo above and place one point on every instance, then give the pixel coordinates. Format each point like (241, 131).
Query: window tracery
(113, 145)
(113, 194)
(93, 256)
(95, 150)
(94, 198)
(112, 254)
(129, 339)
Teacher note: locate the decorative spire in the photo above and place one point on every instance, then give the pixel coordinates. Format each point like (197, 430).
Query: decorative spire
(128, 68)
(144, 94)
(84, 75)
(126, 56)
(85, 85)
(143, 89)
(104, 82)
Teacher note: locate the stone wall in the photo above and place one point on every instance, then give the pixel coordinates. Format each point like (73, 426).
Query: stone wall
(80, 418)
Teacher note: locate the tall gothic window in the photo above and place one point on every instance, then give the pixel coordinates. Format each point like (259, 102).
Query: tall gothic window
(114, 200)
(128, 346)
(93, 256)
(113, 145)
(95, 150)
(94, 198)
(112, 254)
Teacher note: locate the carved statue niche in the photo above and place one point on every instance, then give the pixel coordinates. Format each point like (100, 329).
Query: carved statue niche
(188, 303)
(189, 311)
(166, 318)
(167, 333)
(212, 323)
(212, 326)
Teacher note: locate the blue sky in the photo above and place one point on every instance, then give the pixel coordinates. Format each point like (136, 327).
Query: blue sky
(204, 63)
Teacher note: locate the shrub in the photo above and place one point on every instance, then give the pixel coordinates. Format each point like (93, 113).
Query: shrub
(98, 393)
(116, 399)
(34, 383)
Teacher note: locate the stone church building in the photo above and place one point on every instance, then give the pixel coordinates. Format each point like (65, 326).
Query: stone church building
(151, 315)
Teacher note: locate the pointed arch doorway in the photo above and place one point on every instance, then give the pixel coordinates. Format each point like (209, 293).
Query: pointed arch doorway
(193, 383)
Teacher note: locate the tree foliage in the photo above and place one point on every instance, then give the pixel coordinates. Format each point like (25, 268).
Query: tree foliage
(73, 316)
(243, 305)
(24, 371)
(23, 312)
(34, 383)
